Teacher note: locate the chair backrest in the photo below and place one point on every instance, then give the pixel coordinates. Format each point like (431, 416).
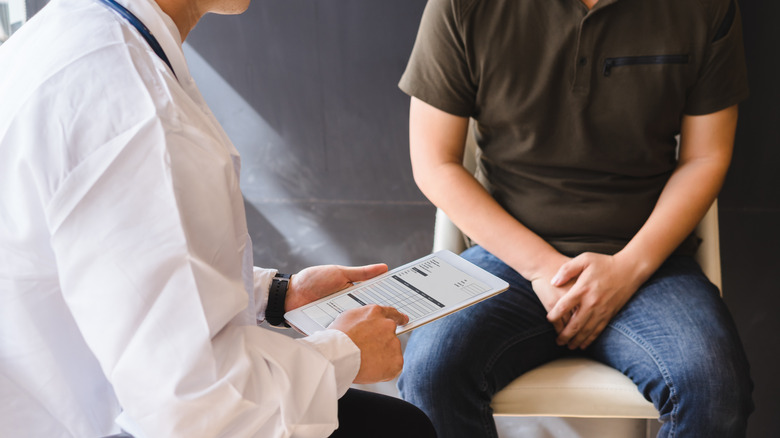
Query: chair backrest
(708, 255)
(448, 236)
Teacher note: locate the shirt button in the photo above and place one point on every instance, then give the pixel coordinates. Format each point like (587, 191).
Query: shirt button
(582, 61)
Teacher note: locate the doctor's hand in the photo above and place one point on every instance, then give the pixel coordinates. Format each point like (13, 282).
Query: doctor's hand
(316, 282)
(372, 329)
(602, 285)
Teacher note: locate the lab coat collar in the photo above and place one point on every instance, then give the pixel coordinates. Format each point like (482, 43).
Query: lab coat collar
(165, 31)
(168, 36)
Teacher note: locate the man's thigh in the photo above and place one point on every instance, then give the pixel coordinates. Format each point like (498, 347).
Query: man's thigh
(495, 340)
(674, 336)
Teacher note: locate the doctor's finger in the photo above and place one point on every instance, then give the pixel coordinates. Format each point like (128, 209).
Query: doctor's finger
(395, 315)
(361, 273)
(390, 313)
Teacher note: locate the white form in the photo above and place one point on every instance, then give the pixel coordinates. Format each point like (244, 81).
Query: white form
(444, 285)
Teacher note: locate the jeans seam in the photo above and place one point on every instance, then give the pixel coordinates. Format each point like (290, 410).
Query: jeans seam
(494, 358)
(625, 331)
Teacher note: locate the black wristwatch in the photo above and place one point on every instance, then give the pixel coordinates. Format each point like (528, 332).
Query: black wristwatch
(274, 312)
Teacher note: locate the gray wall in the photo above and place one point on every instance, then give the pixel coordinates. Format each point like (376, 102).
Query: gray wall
(327, 179)
(306, 89)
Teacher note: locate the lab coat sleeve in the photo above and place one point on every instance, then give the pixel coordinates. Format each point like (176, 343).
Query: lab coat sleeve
(149, 237)
(341, 351)
(261, 285)
(333, 344)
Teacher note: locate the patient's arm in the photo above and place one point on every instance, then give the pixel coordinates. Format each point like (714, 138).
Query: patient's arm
(605, 283)
(437, 141)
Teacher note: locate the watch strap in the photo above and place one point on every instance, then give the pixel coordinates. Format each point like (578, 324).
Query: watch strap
(277, 295)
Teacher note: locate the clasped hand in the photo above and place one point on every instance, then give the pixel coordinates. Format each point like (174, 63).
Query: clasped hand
(584, 295)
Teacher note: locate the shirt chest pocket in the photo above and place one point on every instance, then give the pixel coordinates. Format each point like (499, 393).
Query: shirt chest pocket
(627, 62)
(658, 82)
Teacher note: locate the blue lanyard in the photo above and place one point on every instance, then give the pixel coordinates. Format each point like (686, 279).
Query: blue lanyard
(145, 32)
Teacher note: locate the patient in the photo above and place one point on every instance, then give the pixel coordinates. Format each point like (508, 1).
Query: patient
(587, 205)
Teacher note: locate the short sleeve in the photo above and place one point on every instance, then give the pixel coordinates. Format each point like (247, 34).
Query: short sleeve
(438, 70)
(723, 79)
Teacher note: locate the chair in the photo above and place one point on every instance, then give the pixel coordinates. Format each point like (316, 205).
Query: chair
(578, 387)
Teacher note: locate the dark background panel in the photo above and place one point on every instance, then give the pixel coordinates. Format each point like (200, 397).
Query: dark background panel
(750, 216)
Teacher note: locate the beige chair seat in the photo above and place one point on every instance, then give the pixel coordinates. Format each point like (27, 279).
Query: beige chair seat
(573, 387)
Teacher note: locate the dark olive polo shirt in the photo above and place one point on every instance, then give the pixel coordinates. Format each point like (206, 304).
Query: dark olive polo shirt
(578, 110)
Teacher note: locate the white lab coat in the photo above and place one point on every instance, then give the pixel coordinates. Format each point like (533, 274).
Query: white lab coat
(127, 293)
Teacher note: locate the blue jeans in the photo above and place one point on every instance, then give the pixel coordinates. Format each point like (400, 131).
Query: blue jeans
(675, 339)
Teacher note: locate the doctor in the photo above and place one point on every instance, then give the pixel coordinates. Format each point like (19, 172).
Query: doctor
(128, 300)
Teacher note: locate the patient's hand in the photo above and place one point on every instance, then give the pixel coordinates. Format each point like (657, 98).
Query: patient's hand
(602, 285)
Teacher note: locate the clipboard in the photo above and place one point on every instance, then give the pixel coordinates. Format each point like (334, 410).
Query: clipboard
(426, 289)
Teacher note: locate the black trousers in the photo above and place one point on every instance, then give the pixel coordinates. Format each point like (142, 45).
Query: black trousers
(366, 414)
